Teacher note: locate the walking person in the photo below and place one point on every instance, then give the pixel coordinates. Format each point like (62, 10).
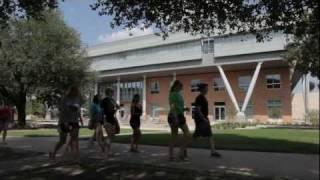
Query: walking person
(110, 107)
(136, 112)
(6, 116)
(176, 120)
(203, 128)
(68, 125)
(96, 121)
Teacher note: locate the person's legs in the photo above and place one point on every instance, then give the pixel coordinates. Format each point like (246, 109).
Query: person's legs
(172, 143)
(214, 152)
(4, 136)
(110, 134)
(59, 144)
(74, 136)
(92, 138)
(138, 135)
(99, 136)
(186, 140)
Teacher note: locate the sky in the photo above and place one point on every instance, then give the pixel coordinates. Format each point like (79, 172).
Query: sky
(94, 29)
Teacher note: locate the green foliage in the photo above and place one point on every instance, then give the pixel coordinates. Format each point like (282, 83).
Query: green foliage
(24, 9)
(314, 117)
(300, 18)
(40, 58)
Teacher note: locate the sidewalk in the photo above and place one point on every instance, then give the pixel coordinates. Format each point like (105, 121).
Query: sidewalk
(298, 166)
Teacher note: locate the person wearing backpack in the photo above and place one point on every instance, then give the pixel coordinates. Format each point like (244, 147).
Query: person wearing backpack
(111, 124)
(203, 128)
(96, 122)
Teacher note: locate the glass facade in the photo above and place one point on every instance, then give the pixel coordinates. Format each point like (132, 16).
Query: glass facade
(127, 89)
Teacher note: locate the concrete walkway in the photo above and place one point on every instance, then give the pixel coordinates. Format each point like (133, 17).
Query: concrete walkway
(297, 166)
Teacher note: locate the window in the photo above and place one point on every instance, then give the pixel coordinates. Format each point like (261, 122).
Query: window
(274, 109)
(249, 110)
(243, 82)
(195, 85)
(208, 46)
(218, 84)
(219, 111)
(273, 81)
(155, 87)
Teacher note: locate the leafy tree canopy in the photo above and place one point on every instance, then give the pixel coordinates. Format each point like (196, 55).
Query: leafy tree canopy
(295, 17)
(41, 58)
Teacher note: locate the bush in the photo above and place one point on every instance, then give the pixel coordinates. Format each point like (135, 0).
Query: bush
(232, 125)
(314, 117)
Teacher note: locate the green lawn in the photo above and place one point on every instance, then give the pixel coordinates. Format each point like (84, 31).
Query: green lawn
(267, 140)
(84, 132)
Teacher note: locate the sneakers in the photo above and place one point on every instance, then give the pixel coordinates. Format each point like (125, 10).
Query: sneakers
(215, 154)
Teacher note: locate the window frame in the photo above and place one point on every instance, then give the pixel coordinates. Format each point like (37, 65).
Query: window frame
(218, 87)
(240, 86)
(207, 45)
(194, 87)
(153, 89)
(273, 85)
(273, 105)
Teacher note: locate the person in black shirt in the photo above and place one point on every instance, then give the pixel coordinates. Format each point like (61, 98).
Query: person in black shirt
(136, 112)
(203, 128)
(110, 107)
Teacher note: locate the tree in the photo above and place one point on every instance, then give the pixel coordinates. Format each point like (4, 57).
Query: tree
(259, 17)
(24, 9)
(39, 58)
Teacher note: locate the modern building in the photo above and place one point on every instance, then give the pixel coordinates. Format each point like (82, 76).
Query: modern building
(246, 79)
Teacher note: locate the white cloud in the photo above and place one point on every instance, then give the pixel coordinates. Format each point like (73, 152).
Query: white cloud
(124, 34)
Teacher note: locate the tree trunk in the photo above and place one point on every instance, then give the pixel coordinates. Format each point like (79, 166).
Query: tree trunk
(21, 108)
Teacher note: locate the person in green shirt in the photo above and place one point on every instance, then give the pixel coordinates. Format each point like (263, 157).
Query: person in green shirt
(176, 120)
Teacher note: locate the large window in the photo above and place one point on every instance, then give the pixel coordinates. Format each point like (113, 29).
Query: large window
(208, 46)
(249, 110)
(155, 87)
(274, 109)
(218, 84)
(273, 81)
(195, 85)
(244, 82)
(219, 110)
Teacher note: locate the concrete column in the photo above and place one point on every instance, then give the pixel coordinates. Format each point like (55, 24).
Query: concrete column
(251, 87)
(229, 89)
(306, 96)
(96, 89)
(118, 90)
(174, 76)
(144, 94)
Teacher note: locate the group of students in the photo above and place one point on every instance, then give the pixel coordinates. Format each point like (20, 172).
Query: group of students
(103, 116)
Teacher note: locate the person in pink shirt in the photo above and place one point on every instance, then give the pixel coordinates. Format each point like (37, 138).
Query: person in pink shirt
(5, 119)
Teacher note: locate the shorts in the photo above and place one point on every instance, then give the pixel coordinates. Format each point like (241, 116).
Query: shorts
(176, 122)
(4, 124)
(203, 129)
(135, 122)
(69, 127)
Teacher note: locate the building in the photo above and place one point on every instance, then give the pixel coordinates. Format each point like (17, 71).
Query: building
(246, 79)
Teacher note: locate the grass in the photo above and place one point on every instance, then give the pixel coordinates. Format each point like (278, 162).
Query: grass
(84, 132)
(265, 140)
